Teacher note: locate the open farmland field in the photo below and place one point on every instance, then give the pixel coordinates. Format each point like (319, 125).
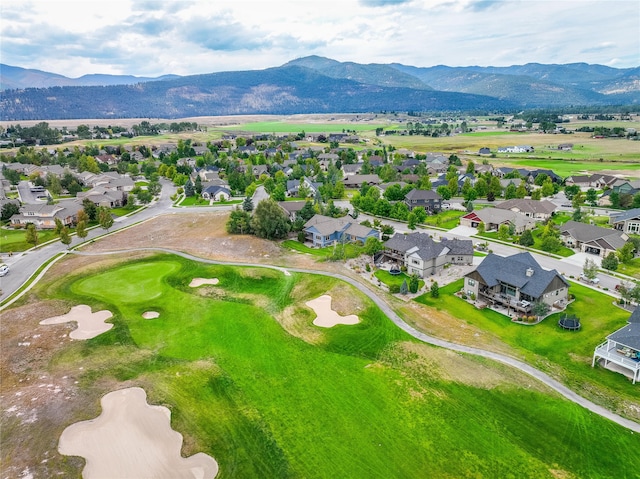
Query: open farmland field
(250, 381)
(308, 127)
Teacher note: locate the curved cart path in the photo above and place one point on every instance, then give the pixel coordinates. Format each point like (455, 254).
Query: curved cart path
(537, 374)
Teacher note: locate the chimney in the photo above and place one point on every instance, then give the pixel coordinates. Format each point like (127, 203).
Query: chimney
(529, 271)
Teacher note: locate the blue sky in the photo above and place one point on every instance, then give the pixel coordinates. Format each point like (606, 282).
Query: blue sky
(151, 38)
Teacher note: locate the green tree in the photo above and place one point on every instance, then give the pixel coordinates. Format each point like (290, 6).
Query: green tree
(247, 204)
(526, 239)
(481, 227)
(31, 234)
(551, 244)
(65, 237)
(435, 290)
(414, 283)
(270, 221)
(8, 210)
(412, 220)
(591, 197)
(503, 232)
(239, 222)
(90, 209)
(81, 230)
(58, 228)
(547, 188)
(372, 246)
(404, 289)
(521, 191)
(104, 217)
(610, 262)
(189, 190)
(626, 253)
(540, 308)
(197, 186)
(590, 268)
(536, 194)
(510, 191)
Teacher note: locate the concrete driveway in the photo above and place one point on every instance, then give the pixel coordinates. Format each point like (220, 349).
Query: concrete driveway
(579, 259)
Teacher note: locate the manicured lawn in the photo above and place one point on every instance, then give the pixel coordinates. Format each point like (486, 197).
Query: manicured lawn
(363, 401)
(125, 210)
(14, 240)
(563, 251)
(397, 279)
(351, 250)
(447, 219)
(632, 268)
(546, 342)
(193, 201)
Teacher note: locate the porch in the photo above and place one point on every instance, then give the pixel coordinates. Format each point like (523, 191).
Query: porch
(619, 358)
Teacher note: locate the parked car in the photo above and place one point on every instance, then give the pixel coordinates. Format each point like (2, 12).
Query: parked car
(4, 269)
(584, 278)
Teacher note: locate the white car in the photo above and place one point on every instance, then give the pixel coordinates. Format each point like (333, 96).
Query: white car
(4, 269)
(587, 280)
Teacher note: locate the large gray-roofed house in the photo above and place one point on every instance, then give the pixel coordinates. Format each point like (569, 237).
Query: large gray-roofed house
(627, 222)
(537, 209)
(493, 218)
(323, 230)
(592, 239)
(420, 254)
(622, 347)
(516, 282)
(428, 199)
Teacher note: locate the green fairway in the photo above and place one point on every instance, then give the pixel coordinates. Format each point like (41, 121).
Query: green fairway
(253, 383)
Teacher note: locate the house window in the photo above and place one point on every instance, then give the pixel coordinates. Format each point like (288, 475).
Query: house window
(471, 282)
(507, 289)
(415, 261)
(633, 227)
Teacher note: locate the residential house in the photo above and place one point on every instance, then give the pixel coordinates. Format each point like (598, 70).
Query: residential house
(356, 181)
(351, 169)
(44, 216)
(216, 193)
(627, 222)
(493, 218)
(506, 170)
(592, 239)
(516, 149)
(421, 255)
(622, 347)
(484, 151)
(323, 231)
(515, 282)
(292, 208)
(103, 196)
(596, 180)
(428, 199)
(540, 210)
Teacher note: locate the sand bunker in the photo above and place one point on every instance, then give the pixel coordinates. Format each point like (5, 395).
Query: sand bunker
(195, 282)
(327, 317)
(132, 439)
(90, 324)
(150, 315)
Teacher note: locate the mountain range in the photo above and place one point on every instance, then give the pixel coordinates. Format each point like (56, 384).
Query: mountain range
(315, 85)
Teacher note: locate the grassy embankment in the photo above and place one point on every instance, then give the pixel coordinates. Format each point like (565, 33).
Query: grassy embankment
(547, 346)
(250, 381)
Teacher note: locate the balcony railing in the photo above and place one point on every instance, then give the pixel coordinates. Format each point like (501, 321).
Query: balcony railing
(505, 300)
(610, 352)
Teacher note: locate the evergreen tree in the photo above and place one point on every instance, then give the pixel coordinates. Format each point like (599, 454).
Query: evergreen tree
(526, 239)
(31, 234)
(414, 283)
(189, 190)
(247, 204)
(610, 262)
(435, 290)
(404, 289)
(198, 186)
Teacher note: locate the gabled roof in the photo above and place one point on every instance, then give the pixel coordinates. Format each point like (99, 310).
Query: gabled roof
(512, 270)
(498, 216)
(628, 335)
(627, 215)
(530, 206)
(422, 245)
(325, 225)
(586, 233)
(423, 195)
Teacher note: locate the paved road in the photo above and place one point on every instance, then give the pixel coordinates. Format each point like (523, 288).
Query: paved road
(390, 313)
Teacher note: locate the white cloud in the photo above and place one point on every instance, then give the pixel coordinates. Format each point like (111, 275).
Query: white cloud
(158, 37)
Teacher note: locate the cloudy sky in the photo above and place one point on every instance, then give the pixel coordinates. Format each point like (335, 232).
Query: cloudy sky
(151, 38)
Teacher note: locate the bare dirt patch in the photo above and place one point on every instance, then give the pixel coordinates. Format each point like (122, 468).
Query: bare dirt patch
(195, 282)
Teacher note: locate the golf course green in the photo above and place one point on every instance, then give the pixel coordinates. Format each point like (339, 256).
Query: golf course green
(250, 381)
